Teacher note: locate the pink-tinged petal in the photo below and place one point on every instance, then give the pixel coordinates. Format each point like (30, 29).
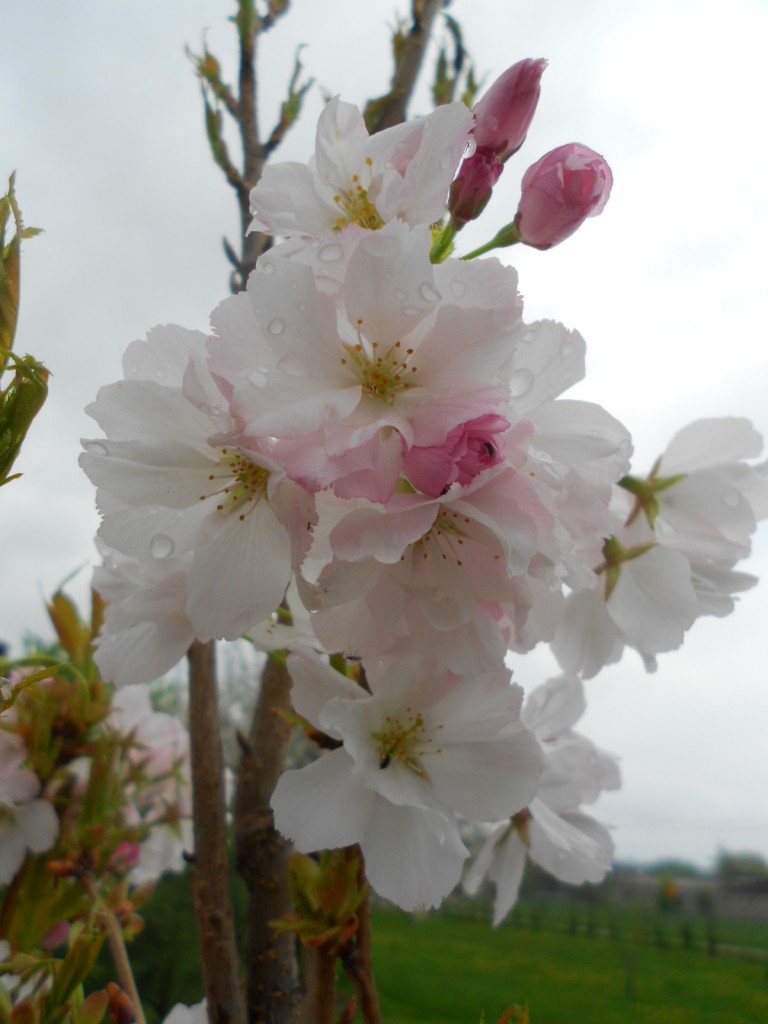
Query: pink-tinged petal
(162, 357)
(413, 857)
(426, 153)
(323, 806)
(315, 683)
(340, 143)
(389, 284)
(285, 201)
(370, 533)
(710, 442)
(240, 575)
(289, 408)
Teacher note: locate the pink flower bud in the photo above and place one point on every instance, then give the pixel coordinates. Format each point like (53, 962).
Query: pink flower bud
(467, 450)
(560, 191)
(504, 114)
(472, 189)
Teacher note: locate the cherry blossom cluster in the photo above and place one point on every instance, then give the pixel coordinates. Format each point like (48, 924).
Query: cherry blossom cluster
(374, 424)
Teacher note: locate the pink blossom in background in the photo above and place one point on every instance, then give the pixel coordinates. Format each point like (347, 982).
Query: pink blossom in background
(560, 191)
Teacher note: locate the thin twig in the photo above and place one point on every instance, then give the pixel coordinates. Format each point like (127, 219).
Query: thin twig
(117, 949)
(210, 868)
(392, 108)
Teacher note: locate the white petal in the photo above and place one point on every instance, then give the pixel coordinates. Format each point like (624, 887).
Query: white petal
(322, 806)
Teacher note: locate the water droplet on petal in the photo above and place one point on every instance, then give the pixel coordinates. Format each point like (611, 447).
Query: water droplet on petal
(276, 326)
(134, 369)
(400, 294)
(529, 336)
(161, 546)
(428, 293)
(267, 267)
(330, 253)
(95, 448)
(470, 148)
(410, 310)
(520, 383)
(459, 289)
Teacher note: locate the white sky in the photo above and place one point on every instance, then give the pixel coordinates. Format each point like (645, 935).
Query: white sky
(100, 116)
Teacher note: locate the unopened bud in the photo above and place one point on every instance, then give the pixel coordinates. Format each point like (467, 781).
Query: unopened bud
(504, 114)
(560, 191)
(472, 189)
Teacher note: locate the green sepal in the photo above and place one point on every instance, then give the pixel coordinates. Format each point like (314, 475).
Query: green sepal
(19, 404)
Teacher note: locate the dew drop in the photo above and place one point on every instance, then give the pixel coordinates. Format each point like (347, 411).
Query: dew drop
(428, 293)
(330, 253)
(267, 268)
(470, 149)
(134, 369)
(529, 336)
(520, 383)
(96, 448)
(459, 289)
(400, 294)
(161, 546)
(276, 326)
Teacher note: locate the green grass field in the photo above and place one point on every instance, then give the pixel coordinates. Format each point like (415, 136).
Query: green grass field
(447, 970)
(570, 964)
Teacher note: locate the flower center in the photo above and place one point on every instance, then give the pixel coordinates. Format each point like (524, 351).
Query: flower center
(445, 537)
(383, 375)
(243, 483)
(356, 207)
(404, 739)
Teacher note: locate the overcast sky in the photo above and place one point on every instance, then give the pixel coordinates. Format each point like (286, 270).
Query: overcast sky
(100, 116)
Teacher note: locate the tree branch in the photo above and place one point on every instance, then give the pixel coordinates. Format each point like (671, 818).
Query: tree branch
(262, 856)
(209, 866)
(391, 109)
